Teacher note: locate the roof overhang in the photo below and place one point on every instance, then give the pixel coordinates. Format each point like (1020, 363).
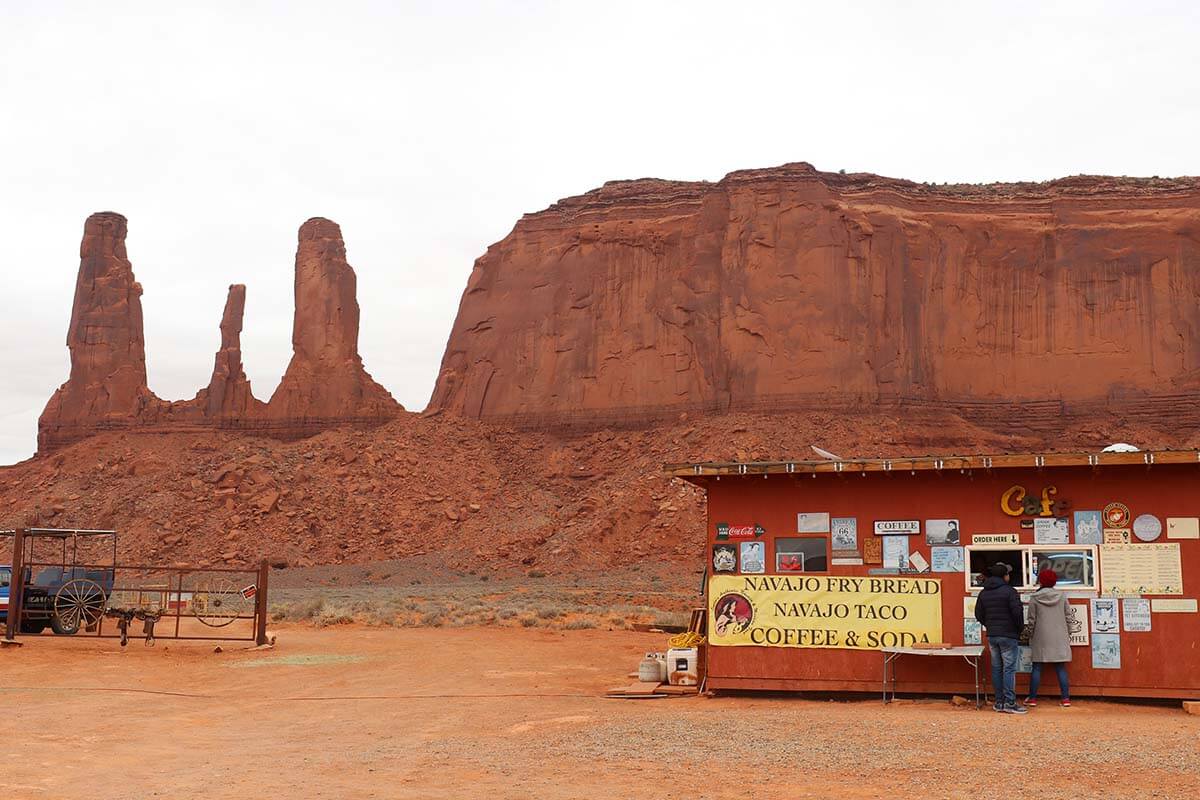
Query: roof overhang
(698, 472)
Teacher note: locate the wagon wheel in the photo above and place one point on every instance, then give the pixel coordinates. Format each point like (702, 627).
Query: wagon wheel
(79, 603)
(219, 602)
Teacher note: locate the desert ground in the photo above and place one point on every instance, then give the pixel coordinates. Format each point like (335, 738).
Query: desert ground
(359, 711)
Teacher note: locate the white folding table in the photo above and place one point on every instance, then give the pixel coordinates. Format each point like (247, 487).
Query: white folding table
(972, 654)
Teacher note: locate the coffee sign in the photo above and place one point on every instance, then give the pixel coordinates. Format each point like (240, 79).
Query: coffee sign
(897, 527)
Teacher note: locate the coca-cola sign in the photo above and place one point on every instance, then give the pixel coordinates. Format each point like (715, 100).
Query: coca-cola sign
(727, 531)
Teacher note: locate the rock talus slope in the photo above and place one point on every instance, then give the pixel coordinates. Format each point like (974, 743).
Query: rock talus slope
(792, 288)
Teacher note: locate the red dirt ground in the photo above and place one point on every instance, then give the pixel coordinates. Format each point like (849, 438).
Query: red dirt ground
(352, 712)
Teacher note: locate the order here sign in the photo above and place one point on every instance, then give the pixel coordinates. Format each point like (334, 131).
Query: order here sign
(855, 613)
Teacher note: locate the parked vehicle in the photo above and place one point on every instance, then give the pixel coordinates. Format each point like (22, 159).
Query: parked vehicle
(64, 598)
(5, 580)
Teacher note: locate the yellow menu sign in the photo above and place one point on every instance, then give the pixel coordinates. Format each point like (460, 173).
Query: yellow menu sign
(855, 613)
(1140, 569)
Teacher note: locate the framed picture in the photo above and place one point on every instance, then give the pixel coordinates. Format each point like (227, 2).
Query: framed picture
(724, 558)
(942, 531)
(802, 554)
(754, 559)
(810, 522)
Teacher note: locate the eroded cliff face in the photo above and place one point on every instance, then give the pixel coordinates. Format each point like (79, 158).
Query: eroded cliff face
(791, 288)
(325, 384)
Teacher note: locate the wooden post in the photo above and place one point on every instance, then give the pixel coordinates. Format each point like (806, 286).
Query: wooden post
(16, 586)
(260, 604)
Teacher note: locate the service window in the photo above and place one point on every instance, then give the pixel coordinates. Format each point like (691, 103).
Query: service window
(802, 554)
(1075, 566)
(982, 558)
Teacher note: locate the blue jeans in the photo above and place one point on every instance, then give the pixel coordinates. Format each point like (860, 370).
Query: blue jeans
(1005, 652)
(1035, 678)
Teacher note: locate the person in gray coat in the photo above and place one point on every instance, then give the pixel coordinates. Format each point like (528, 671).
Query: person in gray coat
(1051, 640)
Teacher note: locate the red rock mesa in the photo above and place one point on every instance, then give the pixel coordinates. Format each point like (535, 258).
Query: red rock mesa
(791, 288)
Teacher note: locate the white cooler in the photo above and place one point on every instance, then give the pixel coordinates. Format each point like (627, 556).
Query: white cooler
(683, 667)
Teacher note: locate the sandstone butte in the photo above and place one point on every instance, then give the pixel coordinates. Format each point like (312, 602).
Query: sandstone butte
(325, 382)
(789, 288)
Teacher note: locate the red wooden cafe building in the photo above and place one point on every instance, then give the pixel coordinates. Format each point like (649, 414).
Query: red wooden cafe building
(815, 566)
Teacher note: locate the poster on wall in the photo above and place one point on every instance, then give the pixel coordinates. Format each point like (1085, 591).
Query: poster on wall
(1117, 536)
(854, 613)
(972, 631)
(843, 534)
(1104, 615)
(872, 550)
(1106, 651)
(809, 522)
(1141, 569)
(1025, 659)
(724, 558)
(1183, 527)
(942, 531)
(895, 552)
(1088, 528)
(1077, 624)
(1136, 614)
(918, 562)
(1051, 530)
(947, 559)
(969, 606)
(754, 558)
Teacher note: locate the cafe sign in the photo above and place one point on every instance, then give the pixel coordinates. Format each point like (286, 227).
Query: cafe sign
(897, 527)
(1016, 502)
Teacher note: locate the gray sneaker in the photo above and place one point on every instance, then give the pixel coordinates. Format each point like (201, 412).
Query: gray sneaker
(1017, 709)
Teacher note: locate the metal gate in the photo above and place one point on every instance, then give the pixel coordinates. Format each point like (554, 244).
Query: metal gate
(86, 592)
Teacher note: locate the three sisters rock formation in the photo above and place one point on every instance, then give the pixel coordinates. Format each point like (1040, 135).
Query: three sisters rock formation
(325, 382)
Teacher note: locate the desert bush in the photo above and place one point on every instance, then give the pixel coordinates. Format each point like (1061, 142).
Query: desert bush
(579, 624)
(432, 619)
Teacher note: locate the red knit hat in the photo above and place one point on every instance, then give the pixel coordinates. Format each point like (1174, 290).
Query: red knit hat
(1047, 578)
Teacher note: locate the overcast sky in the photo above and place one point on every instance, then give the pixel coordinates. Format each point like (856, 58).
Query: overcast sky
(427, 128)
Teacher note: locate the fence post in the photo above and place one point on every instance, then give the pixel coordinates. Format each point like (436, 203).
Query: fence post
(16, 586)
(260, 604)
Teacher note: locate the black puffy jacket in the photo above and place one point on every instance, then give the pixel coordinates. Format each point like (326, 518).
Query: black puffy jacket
(999, 609)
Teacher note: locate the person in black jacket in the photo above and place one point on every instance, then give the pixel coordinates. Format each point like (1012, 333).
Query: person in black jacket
(998, 609)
